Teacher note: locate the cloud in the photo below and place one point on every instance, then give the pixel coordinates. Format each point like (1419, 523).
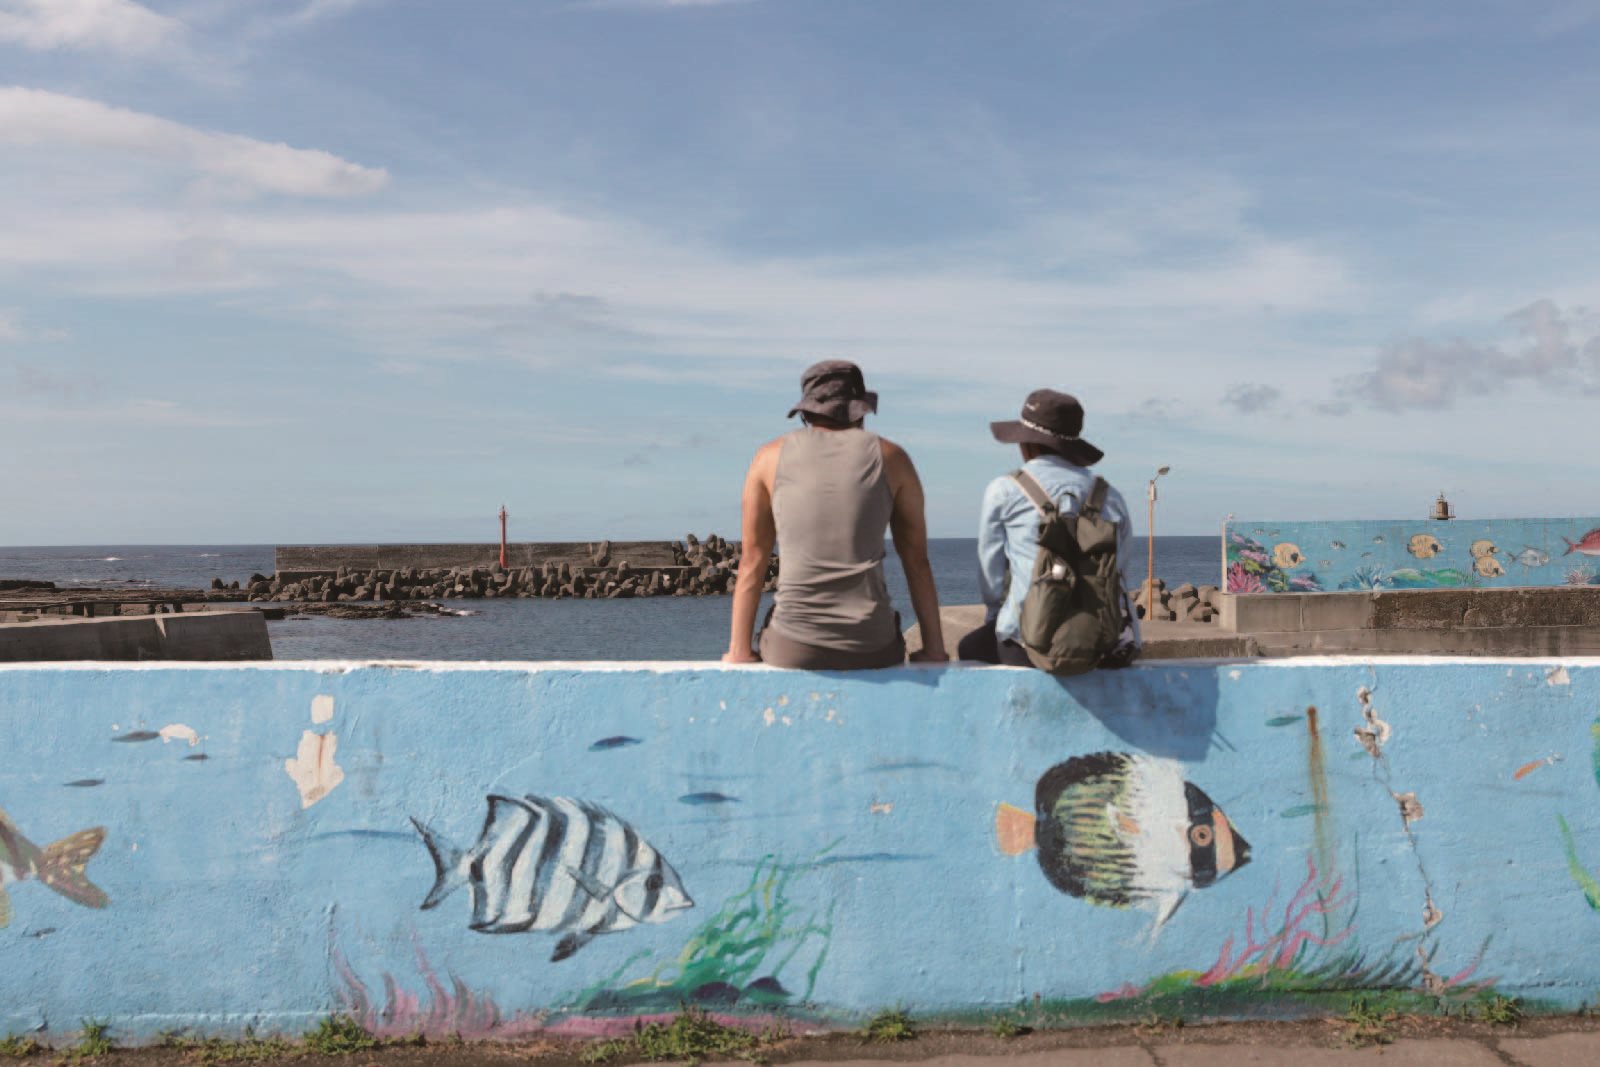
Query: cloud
(1248, 399)
(9, 330)
(1552, 348)
(36, 118)
(119, 26)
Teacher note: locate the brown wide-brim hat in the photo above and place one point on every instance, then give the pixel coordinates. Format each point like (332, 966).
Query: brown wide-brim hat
(835, 390)
(1053, 420)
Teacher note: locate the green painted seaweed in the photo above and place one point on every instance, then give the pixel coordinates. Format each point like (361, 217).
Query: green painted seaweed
(736, 956)
(1586, 881)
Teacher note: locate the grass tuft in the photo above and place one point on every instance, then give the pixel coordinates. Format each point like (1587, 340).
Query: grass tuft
(17, 1047)
(1006, 1028)
(690, 1037)
(93, 1040)
(1502, 1011)
(889, 1026)
(339, 1035)
(1367, 1025)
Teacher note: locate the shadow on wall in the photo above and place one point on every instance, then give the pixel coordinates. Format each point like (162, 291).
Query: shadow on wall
(1171, 714)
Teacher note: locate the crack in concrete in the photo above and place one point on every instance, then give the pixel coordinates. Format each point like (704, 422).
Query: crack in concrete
(1374, 734)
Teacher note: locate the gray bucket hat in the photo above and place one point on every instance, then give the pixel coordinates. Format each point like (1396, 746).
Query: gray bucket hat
(1051, 419)
(835, 390)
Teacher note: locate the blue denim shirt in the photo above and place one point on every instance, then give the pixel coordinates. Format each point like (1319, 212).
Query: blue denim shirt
(1009, 529)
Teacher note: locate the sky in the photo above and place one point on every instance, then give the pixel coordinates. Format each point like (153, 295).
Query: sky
(366, 270)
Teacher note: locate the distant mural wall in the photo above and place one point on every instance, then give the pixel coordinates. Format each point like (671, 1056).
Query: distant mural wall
(519, 850)
(1342, 557)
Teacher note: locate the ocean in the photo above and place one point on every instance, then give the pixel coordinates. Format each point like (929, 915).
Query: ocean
(670, 628)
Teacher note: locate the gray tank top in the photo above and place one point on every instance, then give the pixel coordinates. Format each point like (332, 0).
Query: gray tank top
(831, 502)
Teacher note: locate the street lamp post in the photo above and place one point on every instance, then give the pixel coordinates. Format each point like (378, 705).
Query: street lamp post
(1150, 545)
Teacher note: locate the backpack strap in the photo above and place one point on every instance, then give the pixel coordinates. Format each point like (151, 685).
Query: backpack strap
(1097, 499)
(1034, 492)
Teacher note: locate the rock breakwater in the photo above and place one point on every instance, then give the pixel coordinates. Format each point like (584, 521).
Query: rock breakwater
(706, 567)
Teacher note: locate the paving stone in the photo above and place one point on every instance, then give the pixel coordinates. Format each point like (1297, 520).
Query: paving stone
(1558, 1050)
(1399, 1054)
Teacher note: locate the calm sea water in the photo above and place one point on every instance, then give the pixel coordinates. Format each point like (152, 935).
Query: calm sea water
(665, 628)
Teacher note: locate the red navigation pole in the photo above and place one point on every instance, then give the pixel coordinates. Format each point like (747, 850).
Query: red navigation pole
(502, 537)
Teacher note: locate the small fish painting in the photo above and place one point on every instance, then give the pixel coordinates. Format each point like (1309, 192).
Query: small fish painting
(559, 865)
(606, 744)
(1117, 830)
(1424, 546)
(1337, 546)
(86, 783)
(1587, 545)
(707, 798)
(1378, 540)
(1531, 557)
(137, 735)
(1488, 567)
(1483, 547)
(1287, 555)
(59, 866)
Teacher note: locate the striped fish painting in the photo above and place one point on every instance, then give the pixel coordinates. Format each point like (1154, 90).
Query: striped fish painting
(556, 865)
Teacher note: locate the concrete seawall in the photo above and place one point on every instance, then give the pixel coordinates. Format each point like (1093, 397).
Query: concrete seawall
(198, 635)
(266, 845)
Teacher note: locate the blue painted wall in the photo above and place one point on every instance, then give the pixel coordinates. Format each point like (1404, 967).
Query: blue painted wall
(1331, 557)
(1430, 833)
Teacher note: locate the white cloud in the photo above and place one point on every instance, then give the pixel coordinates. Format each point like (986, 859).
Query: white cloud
(120, 26)
(35, 118)
(1555, 348)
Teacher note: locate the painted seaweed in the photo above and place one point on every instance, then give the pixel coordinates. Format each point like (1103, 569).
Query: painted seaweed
(439, 1012)
(1299, 961)
(738, 956)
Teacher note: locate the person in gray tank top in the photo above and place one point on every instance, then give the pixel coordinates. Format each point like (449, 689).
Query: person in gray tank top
(827, 494)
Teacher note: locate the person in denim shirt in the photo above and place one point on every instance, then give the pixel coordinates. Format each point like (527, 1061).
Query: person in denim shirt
(1057, 458)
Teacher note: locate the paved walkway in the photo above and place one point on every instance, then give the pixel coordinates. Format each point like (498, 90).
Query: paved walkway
(1556, 1050)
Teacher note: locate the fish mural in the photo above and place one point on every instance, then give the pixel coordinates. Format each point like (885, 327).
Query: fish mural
(1337, 546)
(1488, 567)
(1119, 830)
(1424, 546)
(1587, 545)
(556, 865)
(1483, 547)
(60, 866)
(1531, 557)
(1287, 555)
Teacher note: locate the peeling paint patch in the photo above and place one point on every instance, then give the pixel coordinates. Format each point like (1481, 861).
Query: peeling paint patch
(1375, 734)
(1557, 676)
(321, 708)
(1410, 807)
(769, 716)
(313, 769)
(880, 807)
(176, 731)
(786, 721)
(1235, 675)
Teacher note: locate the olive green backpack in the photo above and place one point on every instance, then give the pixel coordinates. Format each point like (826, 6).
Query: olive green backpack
(1072, 616)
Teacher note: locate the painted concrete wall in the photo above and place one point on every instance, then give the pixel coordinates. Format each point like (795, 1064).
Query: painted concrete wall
(207, 848)
(1327, 557)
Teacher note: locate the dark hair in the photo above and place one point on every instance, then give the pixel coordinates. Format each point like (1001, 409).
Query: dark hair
(811, 418)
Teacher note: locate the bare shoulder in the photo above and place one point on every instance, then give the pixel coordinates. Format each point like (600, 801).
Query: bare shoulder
(893, 454)
(765, 463)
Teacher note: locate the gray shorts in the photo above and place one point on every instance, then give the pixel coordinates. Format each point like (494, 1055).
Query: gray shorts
(780, 651)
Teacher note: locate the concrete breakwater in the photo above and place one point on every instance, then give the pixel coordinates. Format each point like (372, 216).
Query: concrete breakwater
(615, 570)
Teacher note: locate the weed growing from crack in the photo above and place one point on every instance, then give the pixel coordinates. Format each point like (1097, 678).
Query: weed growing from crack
(1502, 1011)
(16, 1047)
(339, 1035)
(690, 1037)
(889, 1026)
(1006, 1028)
(93, 1040)
(1368, 1025)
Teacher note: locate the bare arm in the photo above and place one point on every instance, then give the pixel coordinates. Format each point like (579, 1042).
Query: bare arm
(759, 534)
(910, 530)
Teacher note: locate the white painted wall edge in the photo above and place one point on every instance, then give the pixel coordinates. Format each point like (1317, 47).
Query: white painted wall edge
(709, 666)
